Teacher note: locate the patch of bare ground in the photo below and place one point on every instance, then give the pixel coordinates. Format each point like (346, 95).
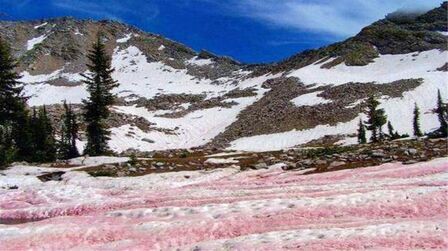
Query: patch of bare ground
(316, 159)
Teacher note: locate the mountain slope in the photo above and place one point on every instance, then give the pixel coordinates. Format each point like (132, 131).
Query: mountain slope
(173, 97)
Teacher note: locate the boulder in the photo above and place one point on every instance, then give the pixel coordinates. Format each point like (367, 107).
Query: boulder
(261, 166)
(378, 154)
(335, 164)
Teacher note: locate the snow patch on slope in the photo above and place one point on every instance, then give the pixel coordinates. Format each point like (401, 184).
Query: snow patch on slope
(40, 25)
(195, 129)
(35, 41)
(124, 39)
(77, 32)
(136, 75)
(384, 69)
(41, 94)
(310, 99)
(279, 141)
(199, 62)
(222, 161)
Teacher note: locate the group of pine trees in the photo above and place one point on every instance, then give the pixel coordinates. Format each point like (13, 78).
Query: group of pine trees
(28, 135)
(377, 118)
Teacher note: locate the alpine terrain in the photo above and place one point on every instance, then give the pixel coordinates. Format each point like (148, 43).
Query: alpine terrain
(171, 97)
(113, 138)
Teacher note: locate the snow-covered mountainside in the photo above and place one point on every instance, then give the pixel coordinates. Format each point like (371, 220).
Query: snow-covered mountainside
(173, 97)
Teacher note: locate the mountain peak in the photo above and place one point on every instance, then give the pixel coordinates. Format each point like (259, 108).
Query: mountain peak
(398, 33)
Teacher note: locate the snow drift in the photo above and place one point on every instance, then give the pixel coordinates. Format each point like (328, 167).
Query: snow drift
(391, 206)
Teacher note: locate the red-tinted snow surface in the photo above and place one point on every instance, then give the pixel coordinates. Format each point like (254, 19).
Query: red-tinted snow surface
(388, 207)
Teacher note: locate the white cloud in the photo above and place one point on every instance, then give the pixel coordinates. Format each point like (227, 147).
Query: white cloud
(111, 9)
(341, 18)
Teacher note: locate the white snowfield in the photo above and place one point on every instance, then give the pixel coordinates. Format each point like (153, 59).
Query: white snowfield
(140, 78)
(387, 207)
(384, 69)
(137, 76)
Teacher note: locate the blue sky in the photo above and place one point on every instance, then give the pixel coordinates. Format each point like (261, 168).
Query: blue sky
(248, 30)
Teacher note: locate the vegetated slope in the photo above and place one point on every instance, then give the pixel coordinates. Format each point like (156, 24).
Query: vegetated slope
(173, 97)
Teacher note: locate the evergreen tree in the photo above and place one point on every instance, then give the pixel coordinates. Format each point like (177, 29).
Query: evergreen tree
(14, 117)
(7, 148)
(381, 120)
(393, 134)
(44, 144)
(390, 128)
(96, 109)
(376, 118)
(50, 141)
(69, 134)
(442, 114)
(11, 101)
(362, 133)
(416, 122)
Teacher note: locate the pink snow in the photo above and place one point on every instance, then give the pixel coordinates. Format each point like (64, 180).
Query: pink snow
(387, 207)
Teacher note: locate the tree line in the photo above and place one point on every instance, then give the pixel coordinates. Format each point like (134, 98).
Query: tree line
(377, 118)
(28, 134)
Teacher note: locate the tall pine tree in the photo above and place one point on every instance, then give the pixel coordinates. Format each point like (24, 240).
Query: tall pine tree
(96, 108)
(362, 133)
(416, 122)
(391, 129)
(376, 119)
(69, 134)
(11, 99)
(14, 118)
(442, 114)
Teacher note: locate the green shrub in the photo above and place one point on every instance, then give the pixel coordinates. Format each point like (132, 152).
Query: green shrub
(133, 160)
